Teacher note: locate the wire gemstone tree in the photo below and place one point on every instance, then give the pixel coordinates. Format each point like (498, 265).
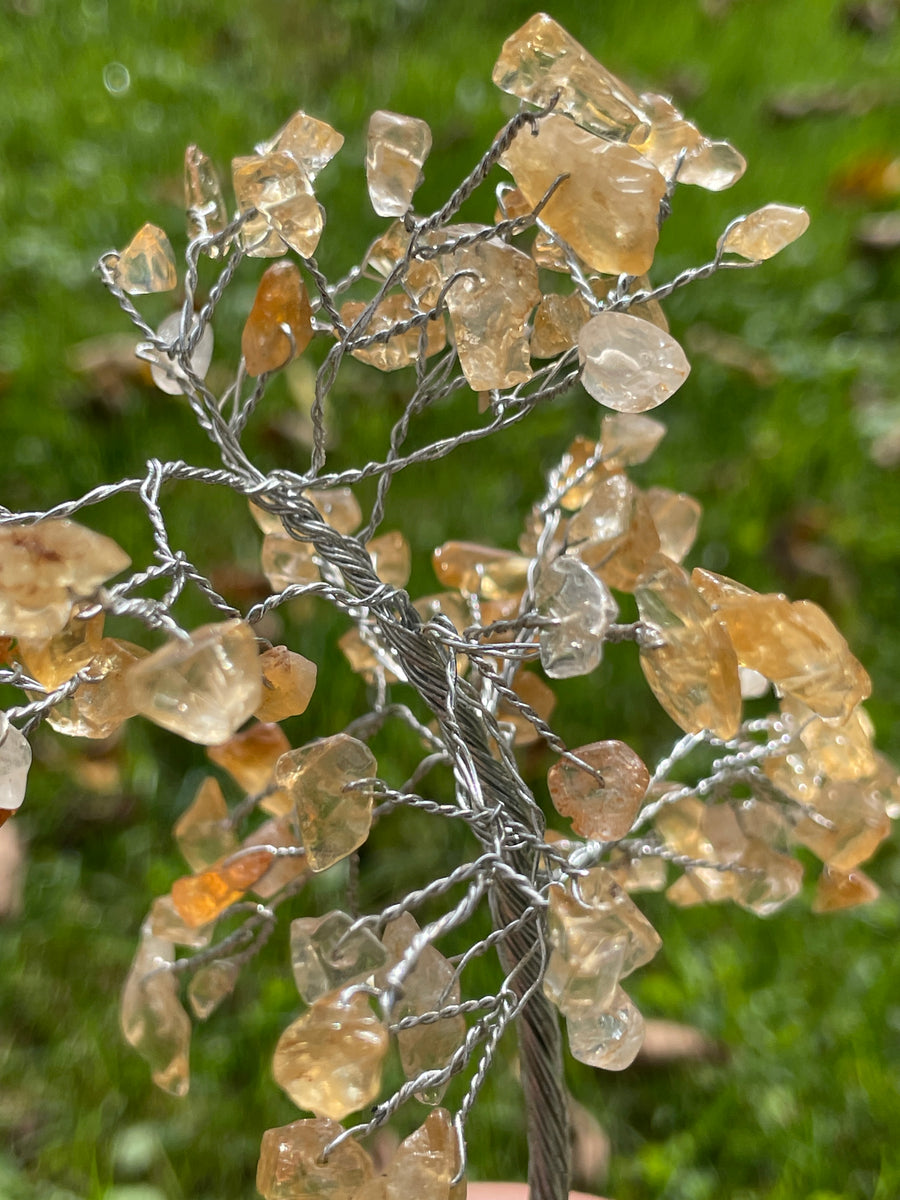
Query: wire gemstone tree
(552, 296)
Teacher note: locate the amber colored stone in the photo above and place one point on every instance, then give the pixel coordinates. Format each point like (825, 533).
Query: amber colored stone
(202, 831)
(431, 984)
(480, 570)
(694, 672)
(167, 371)
(768, 879)
(202, 898)
(386, 251)
(281, 301)
(286, 562)
(334, 818)
(646, 873)
(101, 704)
(15, 759)
(147, 264)
(311, 142)
(291, 1166)
(677, 519)
(286, 868)
(288, 213)
(707, 164)
(607, 209)
(203, 687)
(203, 199)
(249, 757)
(402, 348)
(490, 303)
(630, 438)
(860, 824)
(568, 592)
(836, 890)
(426, 1161)
(557, 323)
(45, 568)
(761, 234)
(166, 922)
(614, 533)
(820, 750)
(396, 148)
(541, 60)
(629, 364)
(289, 680)
(572, 465)
(56, 660)
(531, 689)
(338, 506)
(210, 985)
(325, 956)
(606, 1036)
(152, 1018)
(604, 805)
(362, 657)
(391, 558)
(329, 1060)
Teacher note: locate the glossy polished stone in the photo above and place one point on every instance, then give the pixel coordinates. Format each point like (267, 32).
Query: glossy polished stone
(152, 1017)
(762, 234)
(147, 264)
(288, 681)
(603, 805)
(396, 148)
(279, 325)
(202, 831)
(250, 756)
(203, 199)
(568, 592)
(291, 1166)
(326, 957)
(629, 364)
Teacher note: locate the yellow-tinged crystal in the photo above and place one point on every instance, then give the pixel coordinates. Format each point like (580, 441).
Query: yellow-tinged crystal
(286, 562)
(402, 348)
(557, 323)
(286, 868)
(202, 831)
(607, 209)
(326, 956)
(761, 234)
(532, 690)
(629, 364)
(203, 199)
(249, 757)
(202, 898)
(630, 438)
(288, 681)
(396, 148)
(609, 1036)
(291, 1166)
(572, 465)
(15, 759)
(426, 1161)
(311, 142)
(715, 166)
(859, 824)
(279, 326)
(333, 812)
(614, 533)
(166, 922)
(166, 368)
(569, 593)
(203, 687)
(329, 1060)
(210, 985)
(152, 1017)
(55, 661)
(480, 570)
(147, 264)
(694, 672)
(45, 568)
(541, 60)
(837, 890)
(677, 519)
(391, 558)
(288, 213)
(602, 802)
(708, 164)
(101, 704)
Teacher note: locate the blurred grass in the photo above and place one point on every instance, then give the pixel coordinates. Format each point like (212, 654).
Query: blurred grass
(807, 1103)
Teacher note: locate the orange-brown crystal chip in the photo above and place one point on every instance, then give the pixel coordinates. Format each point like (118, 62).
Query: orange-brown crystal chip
(601, 802)
(279, 326)
(291, 1163)
(289, 680)
(201, 898)
(250, 756)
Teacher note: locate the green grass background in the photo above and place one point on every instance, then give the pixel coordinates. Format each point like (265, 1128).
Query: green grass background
(806, 1104)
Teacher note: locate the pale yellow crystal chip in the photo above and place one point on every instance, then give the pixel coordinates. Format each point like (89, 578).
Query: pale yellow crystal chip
(614, 532)
(250, 756)
(202, 898)
(542, 59)
(101, 703)
(15, 759)
(313, 143)
(425, 1162)
(278, 832)
(557, 323)
(279, 325)
(837, 890)
(402, 348)
(152, 1017)
(608, 1036)
(677, 519)
(202, 831)
(289, 680)
(396, 148)
(325, 956)
(329, 1060)
(602, 805)
(480, 570)
(694, 672)
(629, 364)
(288, 213)
(291, 1166)
(629, 438)
(167, 371)
(859, 824)
(391, 558)
(203, 199)
(761, 234)
(210, 985)
(203, 687)
(334, 815)
(570, 594)
(147, 264)
(607, 209)
(711, 165)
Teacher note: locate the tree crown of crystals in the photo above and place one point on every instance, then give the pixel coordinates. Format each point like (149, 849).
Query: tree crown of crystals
(466, 309)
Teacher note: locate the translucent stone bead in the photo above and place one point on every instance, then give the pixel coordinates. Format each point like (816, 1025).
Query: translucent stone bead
(288, 213)
(202, 831)
(614, 533)
(715, 166)
(489, 305)
(279, 326)
(604, 805)
(363, 659)
(542, 59)
(557, 322)
(329, 1060)
(203, 199)
(15, 759)
(285, 868)
(168, 373)
(387, 250)
(391, 558)
(401, 349)
(152, 1018)
(570, 593)
(426, 1161)
(56, 660)
(843, 889)
(210, 985)
(768, 879)
(761, 234)
(324, 957)
(396, 148)
(480, 570)
(694, 672)
(629, 364)
(289, 680)
(249, 757)
(286, 562)
(630, 438)
(101, 704)
(644, 874)
(677, 519)
(707, 164)
(338, 506)
(45, 568)
(532, 690)
(860, 825)
(608, 208)
(607, 1037)
(202, 898)
(166, 922)
(291, 1165)
(311, 142)
(334, 817)
(572, 466)
(147, 264)
(203, 687)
